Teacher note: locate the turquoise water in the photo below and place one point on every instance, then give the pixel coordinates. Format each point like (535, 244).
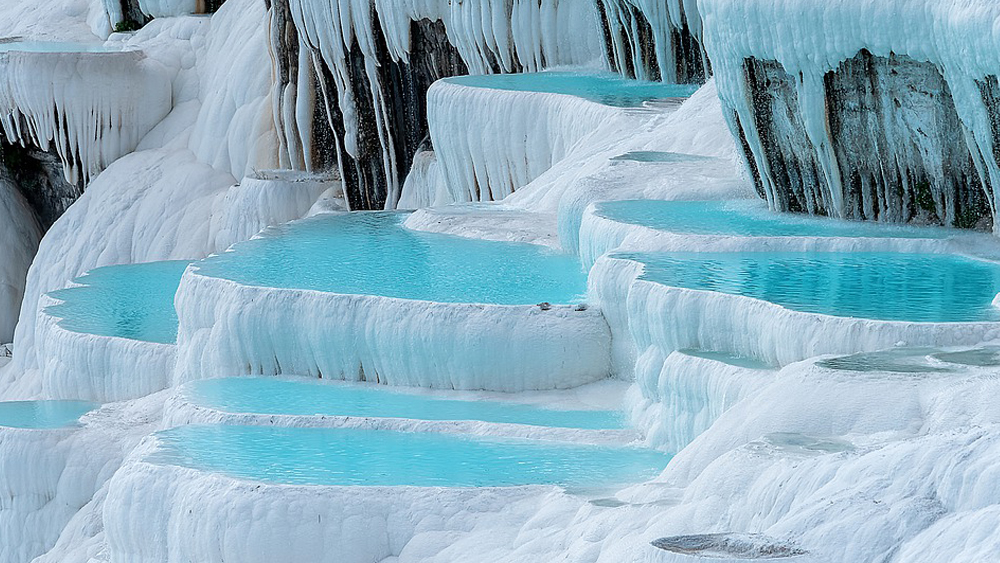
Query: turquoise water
(324, 456)
(287, 397)
(721, 357)
(42, 415)
(601, 87)
(54, 47)
(134, 301)
(871, 285)
(367, 253)
(748, 218)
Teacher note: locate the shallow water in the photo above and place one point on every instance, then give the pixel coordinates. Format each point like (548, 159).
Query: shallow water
(373, 254)
(307, 398)
(900, 360)
(721, 357)
(871, 285)
(658, 157)
(600, 87)
(986, 356)
(322, 456)
(749, 218)
(42, 415)
(134, 301)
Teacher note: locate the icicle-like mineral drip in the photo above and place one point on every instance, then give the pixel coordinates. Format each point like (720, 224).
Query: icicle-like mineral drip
(92, 108)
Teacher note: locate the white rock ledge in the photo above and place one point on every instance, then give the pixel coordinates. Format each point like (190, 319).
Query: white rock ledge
(103, 369)
(600, 235)
(179, 411)
(167, 514)
(229, 329)
(671, 318)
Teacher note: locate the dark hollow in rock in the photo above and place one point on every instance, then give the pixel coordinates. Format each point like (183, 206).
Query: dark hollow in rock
(38, 175)
(729, 546)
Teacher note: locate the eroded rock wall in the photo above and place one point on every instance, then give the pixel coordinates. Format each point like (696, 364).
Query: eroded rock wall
(353, 74)
(38, 176)
(654, 40)
(895, 148)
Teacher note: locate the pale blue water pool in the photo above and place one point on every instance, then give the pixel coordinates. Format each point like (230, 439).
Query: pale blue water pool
(290, 397)
(55, 47)
(42, 415)
(370, 253)
(134, 301)
(324, 456)
(749, 218)
(602, 87)
(871, 285)
(722, 357)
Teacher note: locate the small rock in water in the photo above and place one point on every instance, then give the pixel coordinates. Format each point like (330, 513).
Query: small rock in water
(730, 546)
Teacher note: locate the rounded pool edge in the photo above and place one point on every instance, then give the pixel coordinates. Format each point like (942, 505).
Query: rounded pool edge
(146, 502)
(182, 409)
(759, 329)
(44, 415)
(385, 339)
(90, 367)
(600, 235)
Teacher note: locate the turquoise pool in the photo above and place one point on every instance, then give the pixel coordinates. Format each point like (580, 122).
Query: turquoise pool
(134, 301)
(289, 397)
(748, 218)
(42, 415)
(721, 357)
(323, 456)
(600, 87)
(370, 253)
(871, 285)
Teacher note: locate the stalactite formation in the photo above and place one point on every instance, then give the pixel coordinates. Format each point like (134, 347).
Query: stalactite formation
(884, 116)
(654, 40)
(895, 152)
(354, 74)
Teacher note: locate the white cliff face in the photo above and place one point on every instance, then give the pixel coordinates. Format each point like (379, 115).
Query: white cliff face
(173, 198)
(486, 155)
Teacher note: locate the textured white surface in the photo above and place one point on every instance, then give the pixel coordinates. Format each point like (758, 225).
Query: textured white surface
(169, 514)
(230, 329)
